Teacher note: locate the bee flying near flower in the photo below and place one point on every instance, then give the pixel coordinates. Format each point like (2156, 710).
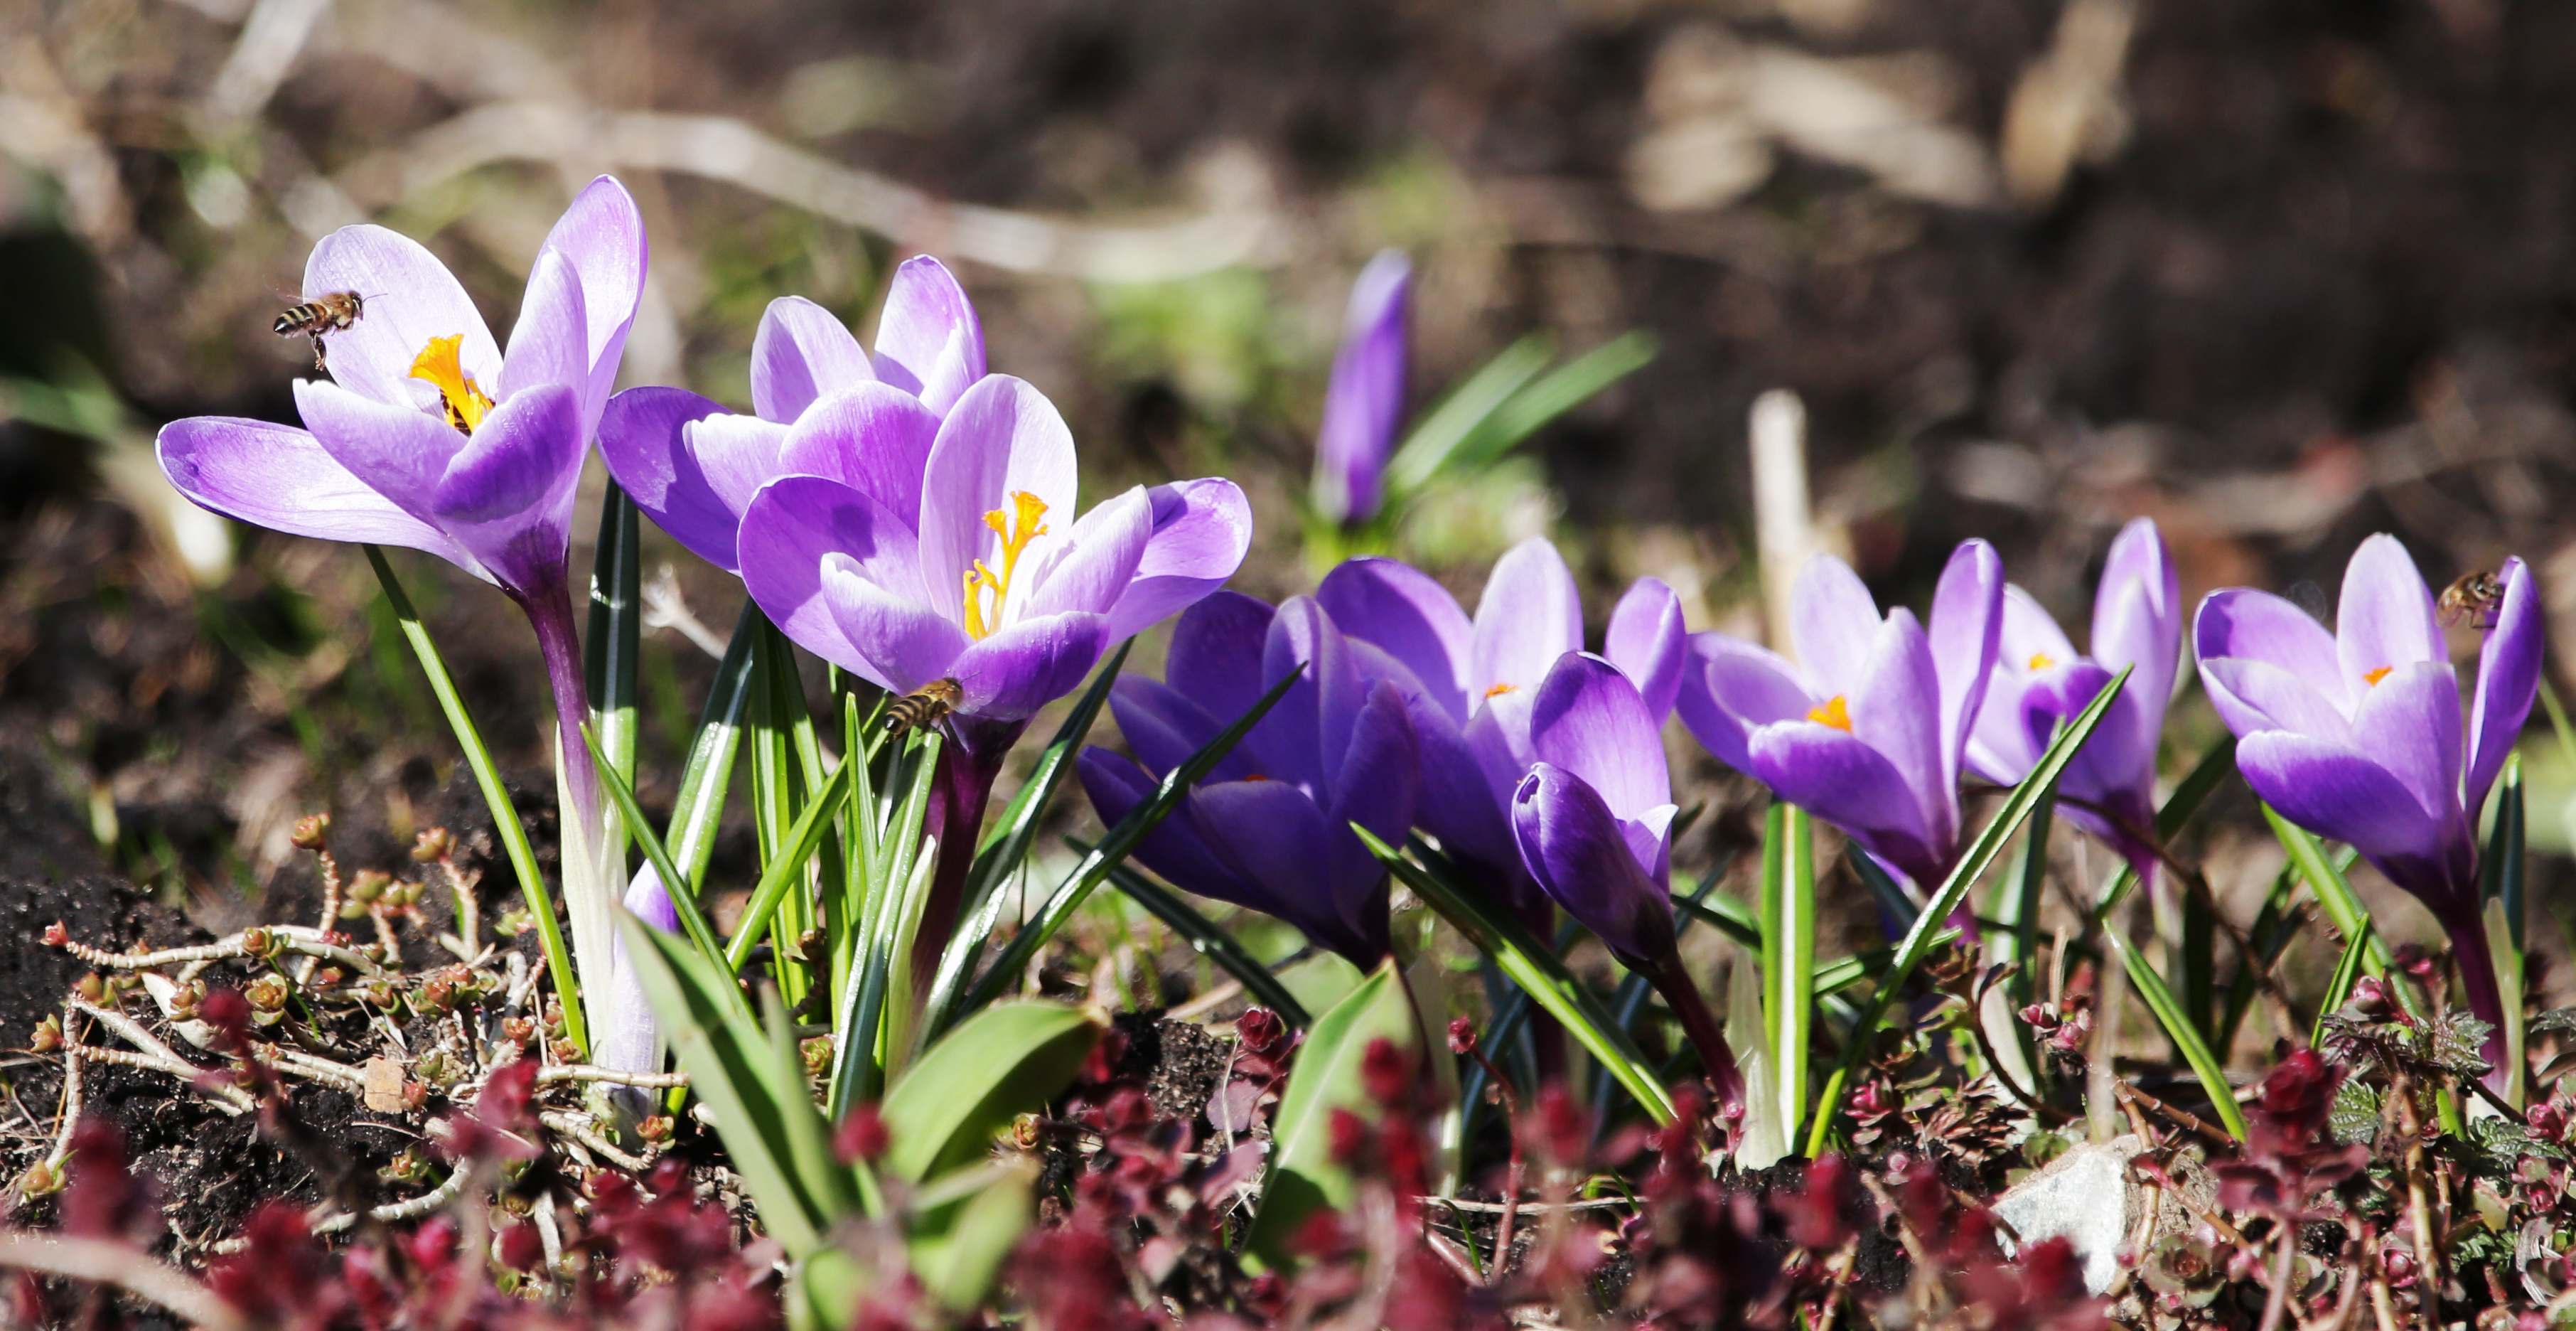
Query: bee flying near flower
(2474, 596)
(330, 312)
(923, 706)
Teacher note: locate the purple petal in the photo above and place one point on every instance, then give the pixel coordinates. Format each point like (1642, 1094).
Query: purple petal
(1163, 728)
(2508, 680)
(632, 1040)
(1378, 785)
(1215, 657)
(2258, 626)
(2386, 618)
(1019, 669)
(1834, 776)
(2030, 641)
(796, 526)
(1270, 834)
(643, 436)
(1401, 610)
(2257, 695)
(869, 437)
(1577, 851)
(887, 638)
(508, 496)
(1097, 559)
(1999, 748)
(410, 298)
(2336, 792)
(603, 235)
(1366, 395)
(1202, 530)
(1895, 711)
(1499, 738)
(2137, 614)
(395, 451)
(1457, 803)
(1002, 438)
(1174, 848)
(1588, 720)
(929, 343)
(1310, 730)
(2409, 723)
(1966, 624)
(1731, 687)
(1832, 620)
(1529, 616)
(279, 477)
(1647, 640)
(550, 343)
(802, 353)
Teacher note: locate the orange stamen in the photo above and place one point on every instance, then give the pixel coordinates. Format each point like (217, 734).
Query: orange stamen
(2041, 661)
(1017, 528)
(1834, 713)
(1500, 689)
(2375, 676)
(440, 364)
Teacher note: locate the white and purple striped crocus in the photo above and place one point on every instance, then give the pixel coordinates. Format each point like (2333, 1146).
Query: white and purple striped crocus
(1869, 729)
(1472, 685)
(429, 435)
(2041, 682)
(1365, 399)
(821, 406)
(1270, 827)
(2356, 734)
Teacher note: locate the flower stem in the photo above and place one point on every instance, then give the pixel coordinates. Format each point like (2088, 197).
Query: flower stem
(1717, 1059)
(586, 881)
(2478, 986)
(968, 766)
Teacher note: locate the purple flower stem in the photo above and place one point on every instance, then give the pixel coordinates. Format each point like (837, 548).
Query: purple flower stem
(2468, 935)
(1716, 1057)
(550, 613)
(968, 766)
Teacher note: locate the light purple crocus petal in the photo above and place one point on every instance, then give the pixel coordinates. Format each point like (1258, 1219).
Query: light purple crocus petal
(890, 640)
(602, 233)
(2409, 723)
(867, 436)
(796, 528)
(1002, 437)
(1896, 710)
(802, 353)
(2386, 618)
(1164, 727)
(2137, 617)
(2508, 680)
(1530, 615)
(1730, 687)
(1647, 640)
(410, 298)
(1457, 801)
(279, 477)
(1366, 395)
(1965, 629)
(1215, 657)
(1097, 560)
(1572, 844)
(631, 1040)
(507, 497)
(1411, 617)
(550, 343)
(2340, 793)
(1589, 720)
(1832, 621)
(1311, 727)
(644, 438)
(2262, 696)
(399, 453)
(929, 342)
(1201, 531)
(2240, 623)
(1028, 664)
(1847, 783)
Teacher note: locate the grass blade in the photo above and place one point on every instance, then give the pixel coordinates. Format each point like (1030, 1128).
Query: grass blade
(2018, 942)
(1206, 939)
(2500, 874)
(1565, 388)
(2347, 973)
(1468, 407)
(1910, 951)
(1538, 972)
(2195, 967)
(1113, 850)
(699, 807)
(2343, 908)
(496, 797)
(2274, 928)
(610, 649)
(2178, 1028)
(1789, 954)
(786, 869)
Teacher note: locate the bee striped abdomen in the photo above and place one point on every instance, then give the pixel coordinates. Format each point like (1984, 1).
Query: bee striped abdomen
(923, 706)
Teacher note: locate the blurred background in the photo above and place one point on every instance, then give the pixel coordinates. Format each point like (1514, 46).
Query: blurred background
(2279, 275)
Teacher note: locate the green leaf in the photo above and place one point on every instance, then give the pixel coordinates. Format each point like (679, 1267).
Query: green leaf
(1206, 939)
(699, 808)
(2343, 908)
(1006, 1060)
(786, 867)
(960, 1253)
(730, 1065)
(2509, 987)
(1910, 951)
(1565, 388)
(1427, 450)
(1789, 955)
(1536, 969)
(496, 797)
(808, 1138)
(2347, 973)
(610, 649)
(2178, 1028)
(1113, 850)
(2274, 929)
(1303, 1174)
(2500, 873)
(2019, 943)
(693, 921)
(2196, 966)
(1727, 916)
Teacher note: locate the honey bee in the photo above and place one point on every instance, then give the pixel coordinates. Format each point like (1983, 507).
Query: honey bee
(2474, 597)
(330, 313)
(923, 706)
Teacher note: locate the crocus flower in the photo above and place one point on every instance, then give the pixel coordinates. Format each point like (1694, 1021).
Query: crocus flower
(822, 407)
(976, 571)
(1270, 827)
(1593, 821)
(1471, 685)
(428, 435)
(631, 1040)
(2356, 734)
(1366, 395)
(1868, 730)
(2040, 683)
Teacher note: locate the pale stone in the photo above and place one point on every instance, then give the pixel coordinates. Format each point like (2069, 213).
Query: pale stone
(2085, 1197)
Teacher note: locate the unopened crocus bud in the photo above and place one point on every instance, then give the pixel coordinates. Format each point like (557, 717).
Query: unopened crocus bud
(312, 831)
(432, 845)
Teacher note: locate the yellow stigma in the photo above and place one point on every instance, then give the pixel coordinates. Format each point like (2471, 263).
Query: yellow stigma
(1017, 528)
(1834, 713)
(1500, 689)
(2041, 661)
(2374, 676)
(466, 405)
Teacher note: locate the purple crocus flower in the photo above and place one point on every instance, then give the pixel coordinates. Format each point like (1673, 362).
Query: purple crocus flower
(1270, 827)
(1366, 395)
(1593, 821)
(1471, 686)
(428, 435)
(2356, 734)
(631, 1040)
(973, 570)
(2040, 683)
(1868, 731)
(822, 407)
